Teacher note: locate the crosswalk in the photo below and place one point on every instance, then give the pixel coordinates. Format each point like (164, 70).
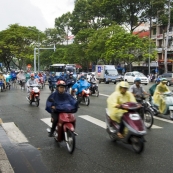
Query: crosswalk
(16, 136)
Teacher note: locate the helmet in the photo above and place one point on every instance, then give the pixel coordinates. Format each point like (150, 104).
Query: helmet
(164, 80)
(137, 80)
(60, 83)
(124, 84)
(158, 80)
(53, 72)
(82, 76)
(32, 75)
(92, 74)
(71, 73)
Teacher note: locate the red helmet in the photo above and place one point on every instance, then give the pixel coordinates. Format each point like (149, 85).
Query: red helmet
(60, 83)
(32, 75)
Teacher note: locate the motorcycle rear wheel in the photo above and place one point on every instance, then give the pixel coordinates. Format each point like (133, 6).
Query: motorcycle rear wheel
(137, 144)
(37, 102)
(97, 93)
(111, 135)
(148, 119)
(71, 143)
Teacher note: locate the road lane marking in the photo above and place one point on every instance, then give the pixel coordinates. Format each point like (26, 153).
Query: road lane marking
(104, 95)
(161, 119)
(103, 124)
(13, 132)
(47, 121)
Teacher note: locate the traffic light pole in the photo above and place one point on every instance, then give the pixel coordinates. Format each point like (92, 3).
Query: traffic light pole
(35, 49)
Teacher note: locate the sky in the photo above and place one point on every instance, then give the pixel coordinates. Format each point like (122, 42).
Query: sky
(39, 13)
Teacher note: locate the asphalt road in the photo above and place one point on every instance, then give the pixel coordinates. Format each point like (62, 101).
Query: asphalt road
(94, 152)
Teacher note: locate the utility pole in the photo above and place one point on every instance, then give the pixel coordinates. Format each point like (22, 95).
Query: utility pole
(167, 36)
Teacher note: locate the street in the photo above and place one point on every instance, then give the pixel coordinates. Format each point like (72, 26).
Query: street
(94, 153)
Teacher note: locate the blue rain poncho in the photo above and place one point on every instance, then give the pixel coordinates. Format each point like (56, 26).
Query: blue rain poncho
(63, 102)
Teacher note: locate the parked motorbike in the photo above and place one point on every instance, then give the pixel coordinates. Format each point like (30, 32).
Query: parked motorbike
(94, 88)
(34, 94)
(168, 96)
(133, 124)
(84, 97)
(147, 112)
(65, 130)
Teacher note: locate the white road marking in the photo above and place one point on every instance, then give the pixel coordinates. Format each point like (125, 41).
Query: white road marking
(14, 134)
(47, 121)
(104, 95)
(103, 124)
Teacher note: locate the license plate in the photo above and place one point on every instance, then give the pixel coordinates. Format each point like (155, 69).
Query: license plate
(170, 107)
(113, 80)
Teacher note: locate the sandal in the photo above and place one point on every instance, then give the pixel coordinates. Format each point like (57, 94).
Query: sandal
(120, 135)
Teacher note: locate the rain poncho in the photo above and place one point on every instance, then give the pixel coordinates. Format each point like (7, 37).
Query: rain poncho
(158, 98)
(81, 85)
(152, 89)
(116, 98)
(63, 102)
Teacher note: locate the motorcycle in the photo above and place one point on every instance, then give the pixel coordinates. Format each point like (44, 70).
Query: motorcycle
(1, 85)
(84, 97)
(133, 124)
(65, 130)
(70, 83)
(147, 111)
(22, 83)
(34, 95)
(41, 82)
(168, 97)
(52, 86)
(94, 88)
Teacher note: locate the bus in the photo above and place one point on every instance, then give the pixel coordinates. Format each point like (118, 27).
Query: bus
(57, 69)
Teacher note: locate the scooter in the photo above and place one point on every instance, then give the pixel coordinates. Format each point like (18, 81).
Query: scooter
(34, 95)
(133, 124)
(94, 88)
(168, 96)
(84, 97)
(65, 130)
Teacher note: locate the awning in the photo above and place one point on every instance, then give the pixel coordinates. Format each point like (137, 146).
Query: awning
(78, 66)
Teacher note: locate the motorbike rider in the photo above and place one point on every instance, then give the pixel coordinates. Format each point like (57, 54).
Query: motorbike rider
(13, 75)
(137, 89)
(52, 79)
(30, 82)
(27, 75)
(153, 88)
(60, 99)
(70, 81)
(92, 79)
(21, 76)
(62, 77)
(3, 79)
(158, 97)
(114, 101)
(80, 85)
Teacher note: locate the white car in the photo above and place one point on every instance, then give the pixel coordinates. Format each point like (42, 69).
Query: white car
(131, 76)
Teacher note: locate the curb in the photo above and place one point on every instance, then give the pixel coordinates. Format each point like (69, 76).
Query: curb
(5, 166)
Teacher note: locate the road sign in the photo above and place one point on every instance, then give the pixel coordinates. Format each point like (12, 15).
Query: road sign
(99, 69)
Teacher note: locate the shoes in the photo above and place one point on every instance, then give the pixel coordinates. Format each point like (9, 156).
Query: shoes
(50, 134)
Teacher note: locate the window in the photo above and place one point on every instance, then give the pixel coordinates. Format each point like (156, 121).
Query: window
(154, 31)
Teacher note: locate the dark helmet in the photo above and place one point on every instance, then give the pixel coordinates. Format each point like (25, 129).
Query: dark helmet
(60, 83)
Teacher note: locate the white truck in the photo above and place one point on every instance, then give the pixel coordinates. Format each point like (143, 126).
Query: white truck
(107, 73)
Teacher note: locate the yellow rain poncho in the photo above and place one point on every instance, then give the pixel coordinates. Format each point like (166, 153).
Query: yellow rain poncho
(116, 98)
(158, 99)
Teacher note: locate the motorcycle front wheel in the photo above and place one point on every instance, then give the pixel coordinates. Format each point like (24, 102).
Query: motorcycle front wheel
(87, 101)
(71, 141)
(37, 101)
(137, 144)
(148, 119)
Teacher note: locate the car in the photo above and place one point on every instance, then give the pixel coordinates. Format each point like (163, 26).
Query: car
(168, 76)
(131, 76)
